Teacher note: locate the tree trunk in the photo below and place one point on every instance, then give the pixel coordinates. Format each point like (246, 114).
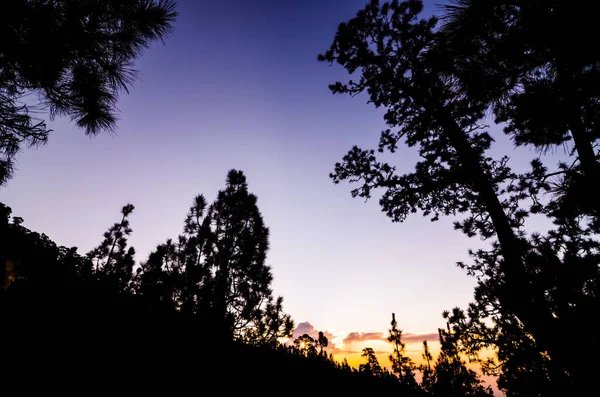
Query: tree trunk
(587, 157)
(567, 85)
(517, 296)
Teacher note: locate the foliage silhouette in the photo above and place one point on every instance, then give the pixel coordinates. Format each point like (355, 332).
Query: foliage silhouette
(306, 345)
(449, 376)
(206, 296)
(537, 79)
(371, 367)
(322, 343)
(437, 85)
(454, 176)
(61, 304)
(220, 260)
(427, 373)
(452, 377)
(111, 258)
(217, 268)
(76, 57)
(544, 87)
(402, 365)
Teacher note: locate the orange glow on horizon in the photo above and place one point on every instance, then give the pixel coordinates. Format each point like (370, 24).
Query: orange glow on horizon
(352, 352)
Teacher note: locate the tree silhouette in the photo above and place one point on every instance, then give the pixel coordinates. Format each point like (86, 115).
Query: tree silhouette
(306, 345)
(452, 377)
(403, 66)
(217, 268)
(521, 363)
(521, 368)
(344, 366)
(425, 369)
(143, 326)
(322, 342)
(47, 282)
(543, 87)
(112, 259)
(402, 365)
(158, 281)
(76, 56)
(454, 175)
(535, 78)
(241, 280)
(26, 256)
(371, 367)
(55, 303)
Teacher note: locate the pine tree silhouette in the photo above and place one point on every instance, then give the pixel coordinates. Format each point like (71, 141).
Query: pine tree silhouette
(77, 57)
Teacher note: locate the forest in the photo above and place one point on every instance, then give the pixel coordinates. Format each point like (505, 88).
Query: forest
(199, 312)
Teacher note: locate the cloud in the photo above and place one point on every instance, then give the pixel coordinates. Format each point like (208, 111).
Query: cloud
(304, 328)
(360, 351)
(352, 343)
(343, 351)
(308, 328)
(413, 338)
(354, 337)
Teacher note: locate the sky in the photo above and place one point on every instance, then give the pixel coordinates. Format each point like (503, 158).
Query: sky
(238, 85)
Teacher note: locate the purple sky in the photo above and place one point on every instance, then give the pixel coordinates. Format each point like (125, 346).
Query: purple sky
(238, 86)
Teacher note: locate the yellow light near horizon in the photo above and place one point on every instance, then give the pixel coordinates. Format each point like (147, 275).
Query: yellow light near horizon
(352, 352)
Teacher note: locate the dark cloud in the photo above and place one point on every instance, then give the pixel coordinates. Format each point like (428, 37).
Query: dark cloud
(363, 336)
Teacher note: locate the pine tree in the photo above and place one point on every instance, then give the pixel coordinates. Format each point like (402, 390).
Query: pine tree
(538, 82)
(217, 268)
(455, 175)
(76, 56)
(452, 377)
(427, 374)
(371, 367)
(113, 260)
(158, 281)
(543, 87)
(322, 342)
(241, 279)
(344, 366)
(402, 365)
(306, 345)
(402, 65)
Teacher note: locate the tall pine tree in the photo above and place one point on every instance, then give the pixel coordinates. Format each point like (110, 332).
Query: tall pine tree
(217, 268)
(402, 365)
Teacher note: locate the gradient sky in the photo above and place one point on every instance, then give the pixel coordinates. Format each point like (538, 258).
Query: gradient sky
(238, 86)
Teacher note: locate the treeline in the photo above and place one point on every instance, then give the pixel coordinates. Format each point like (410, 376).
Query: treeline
(215, 270)
(448, 375)
(195, 310)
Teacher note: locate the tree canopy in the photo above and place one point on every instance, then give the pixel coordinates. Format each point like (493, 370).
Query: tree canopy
(437, 83)
(217, 267)
(76, 57)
